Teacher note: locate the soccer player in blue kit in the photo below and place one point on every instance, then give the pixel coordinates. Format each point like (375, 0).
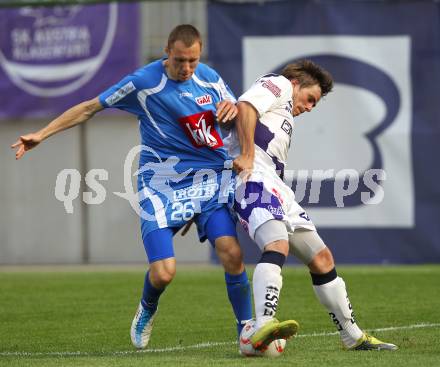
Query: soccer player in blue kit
(179, 102)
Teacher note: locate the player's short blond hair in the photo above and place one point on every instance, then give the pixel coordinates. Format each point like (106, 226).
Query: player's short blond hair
(308, 73)
(186, 33)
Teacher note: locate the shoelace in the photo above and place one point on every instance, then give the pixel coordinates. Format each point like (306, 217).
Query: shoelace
(143, 319)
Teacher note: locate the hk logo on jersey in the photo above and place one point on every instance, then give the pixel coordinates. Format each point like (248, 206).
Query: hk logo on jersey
(201, 131)
(204, 100)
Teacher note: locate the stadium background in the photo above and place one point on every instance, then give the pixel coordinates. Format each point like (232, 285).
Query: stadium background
(383, 114)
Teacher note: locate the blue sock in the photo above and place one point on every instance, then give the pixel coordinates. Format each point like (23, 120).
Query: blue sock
(239, 294)
(150, 295)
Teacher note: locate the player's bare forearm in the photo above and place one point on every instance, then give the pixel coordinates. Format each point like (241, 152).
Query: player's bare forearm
(246, 122)
(73, 116)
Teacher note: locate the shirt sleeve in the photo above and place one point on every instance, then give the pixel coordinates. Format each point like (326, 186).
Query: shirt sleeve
(268, 92)
(210, 78)
(122, 95)
(226, 92)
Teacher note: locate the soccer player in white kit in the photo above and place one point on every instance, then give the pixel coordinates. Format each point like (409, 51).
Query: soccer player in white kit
(266, 206)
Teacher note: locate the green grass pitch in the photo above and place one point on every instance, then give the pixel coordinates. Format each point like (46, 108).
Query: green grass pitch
(82, 316)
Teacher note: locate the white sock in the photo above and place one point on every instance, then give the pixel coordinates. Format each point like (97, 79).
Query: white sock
(267, 282)
(333, 296)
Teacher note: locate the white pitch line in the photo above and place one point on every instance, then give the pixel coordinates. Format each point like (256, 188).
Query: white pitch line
(391, 328)
(194, 346)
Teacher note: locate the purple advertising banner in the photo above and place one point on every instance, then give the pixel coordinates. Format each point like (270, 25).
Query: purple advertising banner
(52, 58)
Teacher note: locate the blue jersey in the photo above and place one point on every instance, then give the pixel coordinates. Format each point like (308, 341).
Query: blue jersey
(175, 118)
(183, 154)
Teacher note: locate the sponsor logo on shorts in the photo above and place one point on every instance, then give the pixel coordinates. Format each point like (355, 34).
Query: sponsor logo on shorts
(275, 211)
(304, 215)
(205, 190)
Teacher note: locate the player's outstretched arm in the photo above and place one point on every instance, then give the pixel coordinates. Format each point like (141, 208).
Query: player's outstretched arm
(73, 116)
(245, 124)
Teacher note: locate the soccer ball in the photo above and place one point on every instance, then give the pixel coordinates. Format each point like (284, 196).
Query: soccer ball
(275, 349)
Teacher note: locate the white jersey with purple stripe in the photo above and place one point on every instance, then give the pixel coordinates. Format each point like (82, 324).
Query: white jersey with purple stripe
(271, 96)
(264, 196)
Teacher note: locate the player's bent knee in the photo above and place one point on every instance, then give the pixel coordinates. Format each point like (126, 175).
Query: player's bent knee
(305, 245)
(281, 246)
(229, 253)
(162, 272)
(322, 262)
(162, 278)
(231, 259)
(228, 247)
(272, 236)
(234, 254)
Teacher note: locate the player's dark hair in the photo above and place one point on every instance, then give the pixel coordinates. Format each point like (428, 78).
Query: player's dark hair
(308, 74)
(186, 33)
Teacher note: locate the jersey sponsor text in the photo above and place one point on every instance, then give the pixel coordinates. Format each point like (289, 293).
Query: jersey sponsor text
(274, 89)
(201, 131)
(120, 93)
(204, 100)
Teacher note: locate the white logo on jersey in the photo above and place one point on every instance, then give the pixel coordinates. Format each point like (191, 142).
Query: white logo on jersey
(185, 94)
(287, 127)
(202, 135)
(206, 99)
(120, 93)
(200, 129)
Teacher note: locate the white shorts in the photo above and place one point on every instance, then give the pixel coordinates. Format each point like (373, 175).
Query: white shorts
(264, 196)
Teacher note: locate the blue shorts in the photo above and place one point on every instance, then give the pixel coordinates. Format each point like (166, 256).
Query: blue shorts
(171, 207)
(158, 244)
(166, 206)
